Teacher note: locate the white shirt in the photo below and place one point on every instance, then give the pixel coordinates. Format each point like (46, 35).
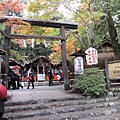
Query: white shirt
(58, 77)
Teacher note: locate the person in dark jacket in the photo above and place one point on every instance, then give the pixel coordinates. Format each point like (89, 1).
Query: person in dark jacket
(12, 80)
(18, 81)
(24, 74)
(1, 108)
(50, 78)
(31, 79)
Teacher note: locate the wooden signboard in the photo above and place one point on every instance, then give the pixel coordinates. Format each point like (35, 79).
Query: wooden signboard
(112, 70)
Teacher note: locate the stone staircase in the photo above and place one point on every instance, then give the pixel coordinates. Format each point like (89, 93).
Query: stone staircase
(78, 108)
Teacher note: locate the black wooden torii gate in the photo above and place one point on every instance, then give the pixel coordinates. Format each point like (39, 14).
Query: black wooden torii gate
(37, 22)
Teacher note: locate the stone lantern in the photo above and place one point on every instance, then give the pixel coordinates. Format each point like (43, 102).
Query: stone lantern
(78, 61)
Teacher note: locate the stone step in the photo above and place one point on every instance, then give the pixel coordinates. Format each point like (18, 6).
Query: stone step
(62, 109)
(65, 113)
(44, 83)
(74, 117)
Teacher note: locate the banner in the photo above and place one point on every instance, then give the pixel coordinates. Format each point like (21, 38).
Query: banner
(78, 65)
(92, 56)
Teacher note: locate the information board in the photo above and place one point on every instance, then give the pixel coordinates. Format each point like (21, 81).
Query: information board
(114, 70)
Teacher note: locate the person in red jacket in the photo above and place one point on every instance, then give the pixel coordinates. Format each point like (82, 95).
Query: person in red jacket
(3, 98)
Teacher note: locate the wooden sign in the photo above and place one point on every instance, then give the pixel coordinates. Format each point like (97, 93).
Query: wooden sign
(114, 70)
(40, 77)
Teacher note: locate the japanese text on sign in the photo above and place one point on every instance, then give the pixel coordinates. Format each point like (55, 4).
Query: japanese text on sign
(114, 70)
(92, 56)
(78, 65)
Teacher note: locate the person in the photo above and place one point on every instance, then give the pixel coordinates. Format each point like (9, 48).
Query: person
(12, 80)
(16, 70)
(59, 78)
(17, 77)
(24, 74)
(2, 104)
(30, 79)
(1, 108)
(50, 78)
(2, 101)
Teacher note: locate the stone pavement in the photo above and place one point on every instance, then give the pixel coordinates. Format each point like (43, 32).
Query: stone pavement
(40, 92)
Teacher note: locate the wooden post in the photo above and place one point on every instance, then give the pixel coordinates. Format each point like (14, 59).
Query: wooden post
(6, 57)
(64, 61)
(107, 74)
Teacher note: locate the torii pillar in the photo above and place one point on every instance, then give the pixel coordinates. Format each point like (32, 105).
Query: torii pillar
(7, 49)
(64, 61)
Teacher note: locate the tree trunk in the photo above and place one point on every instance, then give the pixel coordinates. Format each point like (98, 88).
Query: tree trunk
(113, 36)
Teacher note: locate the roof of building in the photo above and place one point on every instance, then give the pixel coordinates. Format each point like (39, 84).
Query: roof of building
(79, 53)
(2, 52)
(104, 42)
(38, 58)
(13, 62)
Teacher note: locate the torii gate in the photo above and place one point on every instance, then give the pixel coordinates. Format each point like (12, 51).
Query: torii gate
(36, 22)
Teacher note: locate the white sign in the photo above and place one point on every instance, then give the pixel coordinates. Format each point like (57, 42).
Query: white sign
(40, 77)
(92, 56)
(78, 65)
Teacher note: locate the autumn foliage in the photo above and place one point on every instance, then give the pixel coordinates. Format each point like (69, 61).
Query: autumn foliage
(10, 5)
(56, 55)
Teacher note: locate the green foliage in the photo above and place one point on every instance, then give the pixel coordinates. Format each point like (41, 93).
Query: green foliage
(37, 50)
(107, 6)
(91, 83)
(31, 55)
(40, 49)
(44, 9)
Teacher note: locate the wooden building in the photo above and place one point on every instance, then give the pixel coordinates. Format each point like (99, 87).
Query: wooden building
(2, 52)
(105, 52)
(40, 65)
(58, 67)
(13, 62)
(78, 53)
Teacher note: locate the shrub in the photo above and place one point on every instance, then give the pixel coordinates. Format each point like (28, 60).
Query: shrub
(91, 83)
